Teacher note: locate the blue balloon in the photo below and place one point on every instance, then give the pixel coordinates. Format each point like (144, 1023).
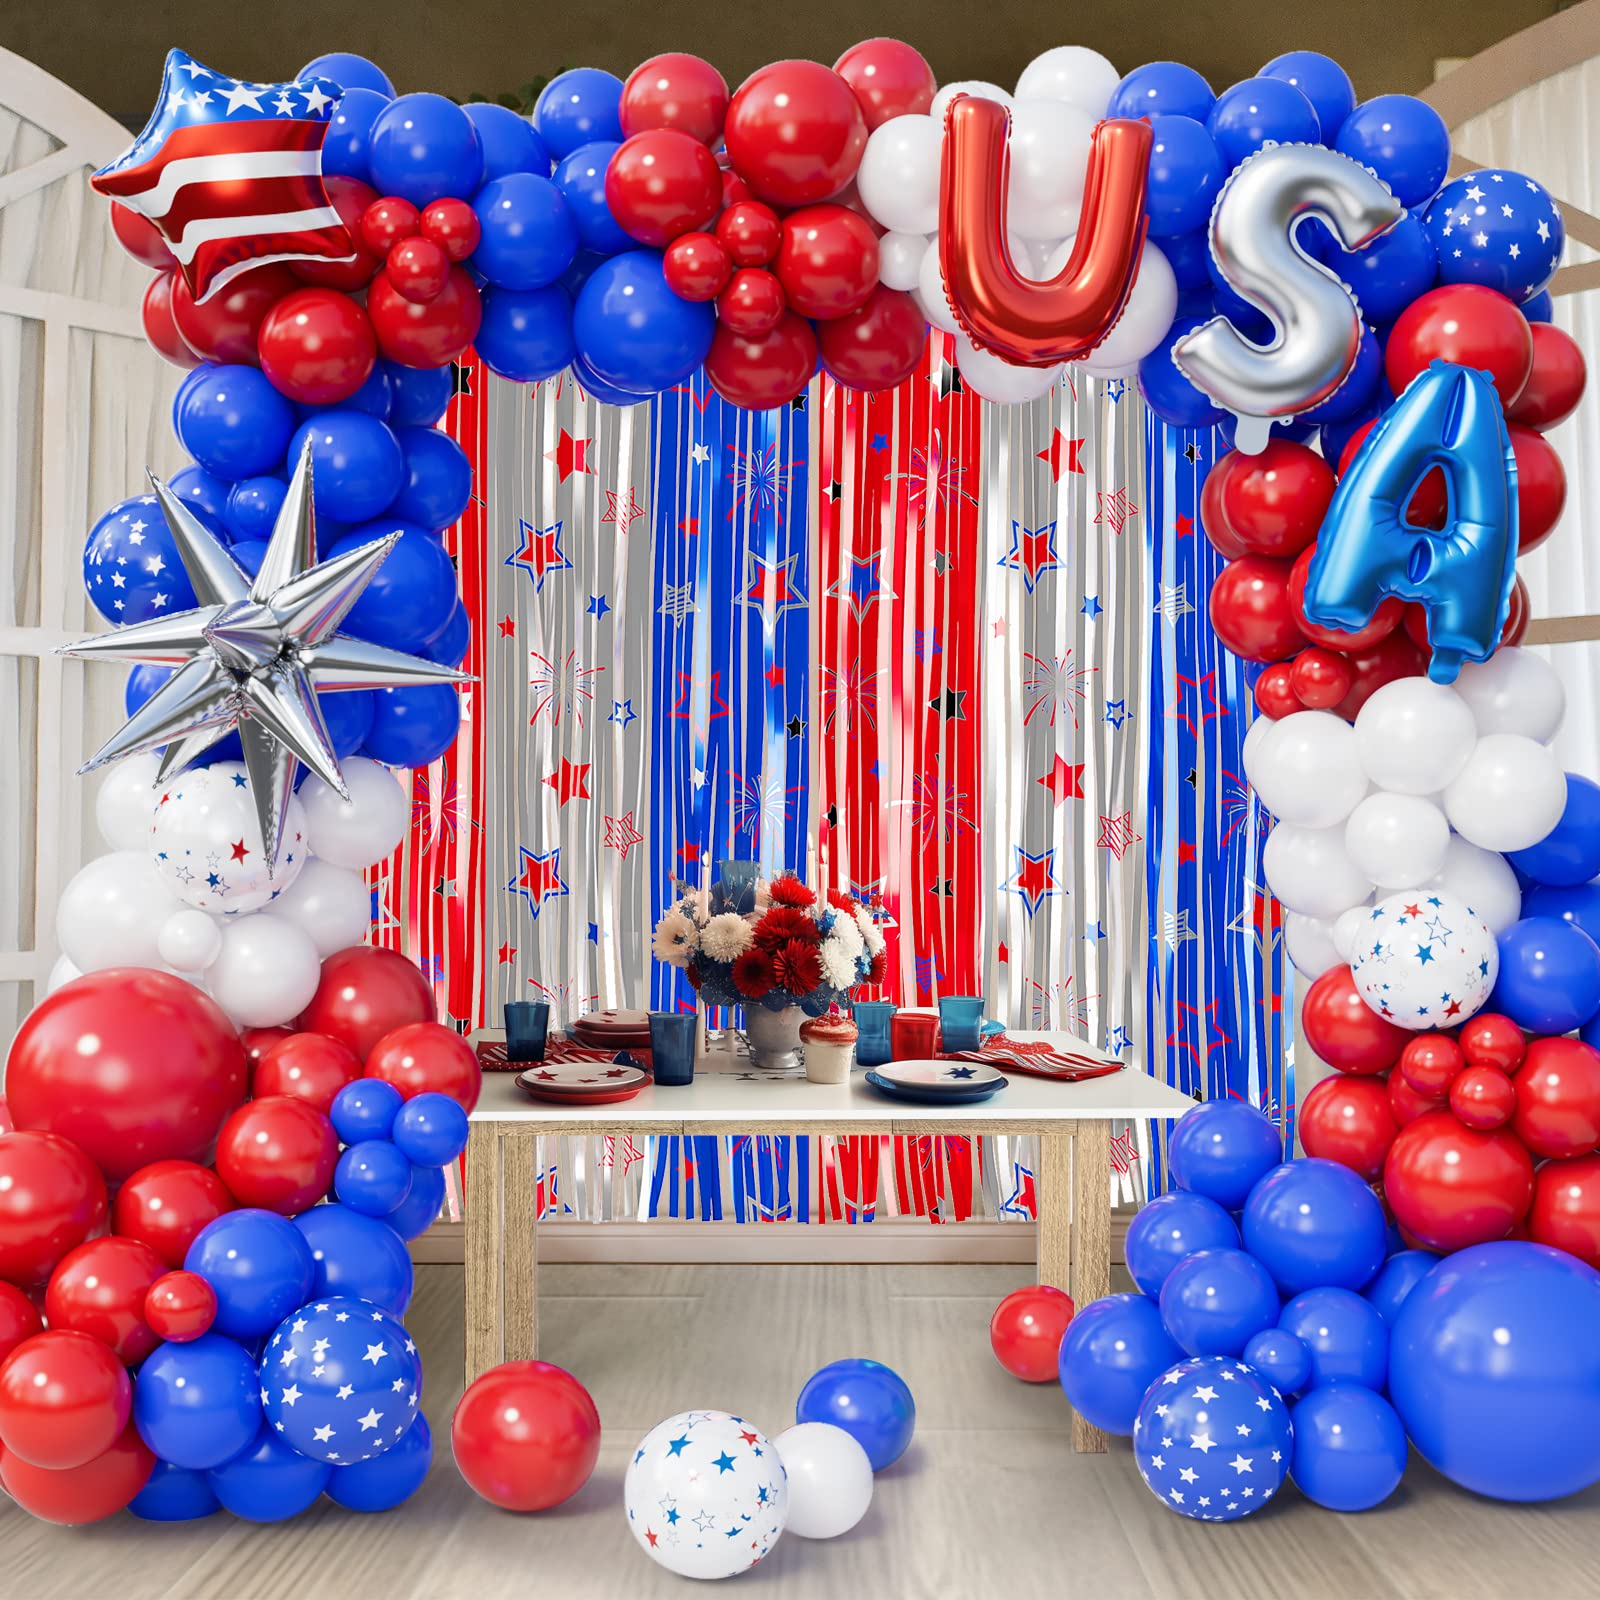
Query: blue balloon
(1336, 435)
(1569, 854)
(1497, 228)
(449, 646)
(374, 396)
(1403, 139)
(249, 554)
(578, 107)
(421, 1207)
(1349, 1447)
(1322, 81)
(365, 1109)
(510, 142)
(174, 1494)
(1215, 1301)
(206, 496)
(1346, 1336)
(579, 273)
(348, 715)
(411, 595)
(438, 479)
(388, 1480)
(1400, 1274)
(1222, 1149)
(1392, 271)
(143, 681)
(1114, 1349)
(597, 388)
(1540, 307)
(358, 1257)
(424, 148)
(1355, 395)
(1162, 88)
(356, 464)
(253, 506)
(581, 178)
(269, 1482)
(1579, 905)
(633, 331)
(1549, 979)
(1167, 392)
(349, 72)
(411, 727)
(418, 396)
(1189, 256)
(526, 334)
(1314, 1224)
(372, 1177)
(259, 1266)
(347, 147)
(1171, 1227)
(529, 233)
(1186, 175)
(234, 423)
(190, 380)
(431, 1130)
(870, 1401)
(1280, 1358)
(1246, 116)
(198, 1404)
(131, 567)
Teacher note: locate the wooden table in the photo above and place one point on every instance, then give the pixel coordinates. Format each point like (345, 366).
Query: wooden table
(1072, 1187)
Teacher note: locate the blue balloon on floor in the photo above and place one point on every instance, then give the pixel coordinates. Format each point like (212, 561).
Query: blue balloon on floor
(1322, 81)
(424, 148)
(577, 107)
(347, 146)
(634, 331)
(259, 1266)
(356, 464)
(1349, 1447)
(1162, 88)
(388, 1480)
(357, 1257)
(411, 727)
(1280, 1358)
(1314, 1224)
(1549, 979)
(1347, 1338)
(1171, 1227)
(1222, 1149)
(349, 72)
(421, 1207)
(1569, 854)
(365, 1109)
(372, 1177)
(198, 1404)
(1215, 1301)
(410, 596)
(174, 1494)
(510, 142)
(1399, 1275)
(234, 423)
(438, 479)
(418, 396)
(870, 1401)
(1251, 113)
(269, 1482)
(526, 334)
(581, 178)
(431, 1130)
(1114, 1349)
(1403, 139)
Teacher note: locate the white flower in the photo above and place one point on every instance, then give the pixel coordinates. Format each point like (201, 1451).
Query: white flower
(697, 905)
(726, 937)
(838, 964)
(847, 933)
(675, 940)
(871, 934)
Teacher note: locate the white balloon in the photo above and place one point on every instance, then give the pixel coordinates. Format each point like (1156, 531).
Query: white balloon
(1397, 840)
(830, 1479)
(1310, 944)
(111, 912)
(978, 88)
(1509, 795)
(1305, 770)
(266, 972)
(331, 904)
(1049, 159)
(1348, 927)
(64, 971)
(991, 378)
(1425, 961)
(1414, 736)
(189, 940)
(898, 179)
(125, 806)
(930, 290)
(1482, 879)
(1311, 872)
(1071, 72)
(1259, 729)
(1145, 320)
(900, 260)
(362, 830)
(1514, 691)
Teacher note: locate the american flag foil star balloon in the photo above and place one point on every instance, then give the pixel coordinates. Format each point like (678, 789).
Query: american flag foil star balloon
(255, 653)
(231, 173)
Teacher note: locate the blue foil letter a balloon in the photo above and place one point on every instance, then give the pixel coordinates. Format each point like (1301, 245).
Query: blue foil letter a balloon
(1449, 417)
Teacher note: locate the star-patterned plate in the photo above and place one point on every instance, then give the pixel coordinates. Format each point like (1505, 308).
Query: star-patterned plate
(966, 1077)
(956, 1093)
(582, 1083)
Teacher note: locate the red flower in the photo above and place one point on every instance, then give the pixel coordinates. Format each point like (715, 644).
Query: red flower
(841, 902)
(752, 974)
(692, 973)
(797, 967)
(879, 970)
(789, 891)
(781, 924)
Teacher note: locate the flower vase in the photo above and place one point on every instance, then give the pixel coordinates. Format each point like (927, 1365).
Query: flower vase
(774, 1037)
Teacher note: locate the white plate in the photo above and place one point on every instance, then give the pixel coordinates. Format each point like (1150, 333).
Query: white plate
(956, 1075)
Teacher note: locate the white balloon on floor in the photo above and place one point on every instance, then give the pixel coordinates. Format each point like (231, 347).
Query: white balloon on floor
(189, 940)
(1514, 691)
(1397, 840)
(266, 971)
(1305, 769)
(1414, 736)
(125, 806)
(1509, 794)
(1311, 872)
(830, 1479)
(110, 914)
(364, 829)
(898, 179)
(332, 904)
(1073, 73)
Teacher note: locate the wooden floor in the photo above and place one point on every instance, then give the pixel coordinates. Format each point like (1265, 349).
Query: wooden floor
(989, 1501)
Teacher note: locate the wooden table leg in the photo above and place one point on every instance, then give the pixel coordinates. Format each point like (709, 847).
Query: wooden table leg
(1091, 1241)
(521, 1246)
(1052, 1192)
(485, 1334)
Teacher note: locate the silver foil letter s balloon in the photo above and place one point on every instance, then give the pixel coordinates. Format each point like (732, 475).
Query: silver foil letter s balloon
(1316, 322)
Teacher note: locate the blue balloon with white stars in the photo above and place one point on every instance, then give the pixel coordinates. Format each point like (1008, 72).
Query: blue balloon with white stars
(1497, 228)
(1212, 1440)
(131, 567)
(341, 1381)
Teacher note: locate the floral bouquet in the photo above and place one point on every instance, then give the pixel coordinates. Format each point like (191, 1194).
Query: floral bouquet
(771, 944)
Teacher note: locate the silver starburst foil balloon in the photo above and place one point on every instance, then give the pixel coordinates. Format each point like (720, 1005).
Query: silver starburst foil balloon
(255, 653)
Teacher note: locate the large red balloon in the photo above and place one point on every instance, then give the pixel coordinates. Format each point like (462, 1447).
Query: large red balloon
(1213, 519)
(64, 1398)
(1555, 385)
(1385, 619)
(431, 334)
(662, 183)
(155, 312)
(140, 237)
(1026, 1331)
(1344, 1030)
(19, 1319)
(428, 1058)
(1468, 325)
(878, 345)
(1558, 1098)
(1450, 1186)
(827, 261)
(675, 90)
(364, 994)
(133, 1065)
(759, 374)
(52, 1198)
(1541, 487)
(180, 1306)
(889, 79)
(1273, 503)
(1493, 1040)
(1251, 610)
(795, 132)
(526, 1436)
(99, 1290)
(166, 1204)
(89, 1493)
(278, 1154)
(350, 198)
(1430, 1063)
(1566, 1207)
(1349, 1120)
(1390, 658)
(224, 328)
(317, 346)
(306, 1066)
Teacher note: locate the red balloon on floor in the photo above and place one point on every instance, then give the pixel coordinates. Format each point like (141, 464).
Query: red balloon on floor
(1467, 325)
(889, 79)
(1566, 1207)
(1558, 1098)
(428, 1058)
(1349, 1120)
(52, 1198)
(99, 1489)
(306, 1066)
(167, 1203)
(1026, 1331)
(277, 1154)
(180, 1306)
(99, 1290)
(365, 993)
(1344, 1030)
(64, 1398)
(526, 1436)
(1450, 1186)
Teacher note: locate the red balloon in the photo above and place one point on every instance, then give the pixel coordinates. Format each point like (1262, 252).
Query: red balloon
(160, 329)
(675, 90)
(133, 1065)
(317, 346)
(1407, 1105)
(1431, 1062)
(386, 221)
(99, 1290)
(1273, 503)
(1251, 609)
(1555, 385)
(1321, 678)
(1519, 615)
(1483, 1097)
(452, 225)
(1492, 1040)
(526, 1436)
(1349, 1120)
(1274, 691)
(878, 345)
(735, 191)
(827, 261)
(1468, 325)
(795, 132)
(350, 198)
(759, 374)
(277, 1154)
(662, 183)
(750, 232)
(99, 1489)
(1390, 658)
(19, 1319)
(429, 335)
(6, 1124)
(1541, 487)
(752, 303)
(166, 1204)
(1450, 1186)
(1566, 1207)
(306, 1066)
(64, 1398)
(52, 1198)
(696, 266)
(889, 79)
(257, 1041)
(1385, 619)
(1558, 1098)
(224, 328)
(1344, 1030)
(1431, 499)
(140, 237)
(364, 994)
(1026, 1331)
(418, 269)
(1214, 520)
(180, 1306)
(428, 1058)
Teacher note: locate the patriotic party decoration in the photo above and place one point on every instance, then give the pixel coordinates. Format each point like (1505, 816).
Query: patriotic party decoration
(1424, 960)
(1497, 228)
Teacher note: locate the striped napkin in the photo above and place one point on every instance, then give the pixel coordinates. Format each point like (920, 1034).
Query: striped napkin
(1038, 1058)
(492, 1054)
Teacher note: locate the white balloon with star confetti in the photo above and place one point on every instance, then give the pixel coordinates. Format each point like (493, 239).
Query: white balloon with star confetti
(1423, 959)
(706, 1494)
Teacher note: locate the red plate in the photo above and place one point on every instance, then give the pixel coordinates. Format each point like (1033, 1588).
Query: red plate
(573, 1097)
